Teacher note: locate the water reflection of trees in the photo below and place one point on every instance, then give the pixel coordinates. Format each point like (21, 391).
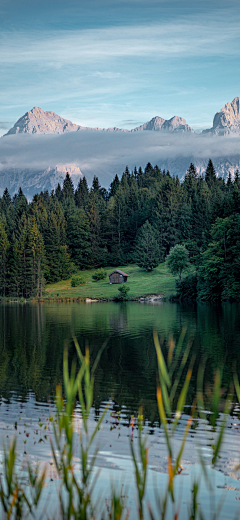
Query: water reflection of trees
(32, 340)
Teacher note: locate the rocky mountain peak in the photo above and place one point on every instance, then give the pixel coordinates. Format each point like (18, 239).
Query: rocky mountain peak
(37, 121)
(175, 124)
(226, 121)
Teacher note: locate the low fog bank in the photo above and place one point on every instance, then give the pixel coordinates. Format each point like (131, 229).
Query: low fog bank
(32, 159)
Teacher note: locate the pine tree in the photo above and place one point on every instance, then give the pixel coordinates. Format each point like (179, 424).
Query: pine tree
(13, 267)
(68, 189)
(58, 192)
(237, 178)
(96, 252)
(37, 255)
(114, 186)
(147, 249)
(4, 246)
(78, 234)
(20, 204)
(96, 184)
(82, 194)
(210, 175)
(6, 198)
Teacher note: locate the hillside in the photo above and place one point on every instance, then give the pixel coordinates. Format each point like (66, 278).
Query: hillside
(158, 282)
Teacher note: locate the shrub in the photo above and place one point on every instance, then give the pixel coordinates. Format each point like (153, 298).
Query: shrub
(77, 280)
(100, 274)
(123, 296)
(187, 287)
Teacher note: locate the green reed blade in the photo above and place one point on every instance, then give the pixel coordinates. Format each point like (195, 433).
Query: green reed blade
(165, 395)
(163, 419)
(182, 399)
(216, 396)
(79, 353)
(236, 384)
(179, 373)
(200, 399)
(178, 349)
(227, 409)
(99, 354)
(161, 363)
(177, 463)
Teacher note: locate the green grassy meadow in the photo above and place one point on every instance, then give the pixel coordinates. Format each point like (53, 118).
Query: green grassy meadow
(158, 282)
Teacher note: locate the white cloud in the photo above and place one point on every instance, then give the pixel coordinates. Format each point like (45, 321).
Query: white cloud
(185, 37)
(106, 75)
(105, 154)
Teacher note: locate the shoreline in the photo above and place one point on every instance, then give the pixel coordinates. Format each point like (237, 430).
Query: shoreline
(153, 298)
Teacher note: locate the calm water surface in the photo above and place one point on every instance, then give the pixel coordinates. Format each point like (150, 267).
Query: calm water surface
(32, 339)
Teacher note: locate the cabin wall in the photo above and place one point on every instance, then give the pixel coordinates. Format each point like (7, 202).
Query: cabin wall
(117, 278)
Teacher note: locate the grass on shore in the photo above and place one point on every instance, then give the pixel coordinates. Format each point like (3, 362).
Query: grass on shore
(141, 283)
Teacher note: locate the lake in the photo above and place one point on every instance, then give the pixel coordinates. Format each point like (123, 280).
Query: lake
(32, 340)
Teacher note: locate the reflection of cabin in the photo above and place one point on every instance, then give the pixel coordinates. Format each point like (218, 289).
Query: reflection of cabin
(118, 276)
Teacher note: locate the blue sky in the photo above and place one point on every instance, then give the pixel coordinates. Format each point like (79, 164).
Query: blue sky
(116, 63)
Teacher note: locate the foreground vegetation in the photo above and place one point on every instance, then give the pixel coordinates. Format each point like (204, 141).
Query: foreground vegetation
(76, 496)
(138, 220)
(140, 283)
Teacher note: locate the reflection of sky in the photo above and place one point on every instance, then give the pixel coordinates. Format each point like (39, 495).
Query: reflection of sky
(34, 429)
(118, 63)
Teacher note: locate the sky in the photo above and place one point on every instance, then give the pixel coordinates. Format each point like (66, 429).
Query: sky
(119, 63)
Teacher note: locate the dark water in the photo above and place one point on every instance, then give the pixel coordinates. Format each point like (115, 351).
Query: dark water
(32, 339)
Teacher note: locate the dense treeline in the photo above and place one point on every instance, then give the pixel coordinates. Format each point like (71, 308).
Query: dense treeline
(47, 239)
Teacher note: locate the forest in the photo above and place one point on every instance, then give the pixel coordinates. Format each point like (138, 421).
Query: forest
(143, 212)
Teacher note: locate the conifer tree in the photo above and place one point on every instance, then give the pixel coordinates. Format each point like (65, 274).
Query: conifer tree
(114, 186)
(68, 189)
(96, 184)
(147, 248)
(4, 246)
(78, 234)
(96, 252)
(58, 192)
(37, 255)
(210, 175)
(82, 194)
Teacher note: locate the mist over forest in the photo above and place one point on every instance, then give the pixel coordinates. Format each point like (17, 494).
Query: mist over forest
(24, 158)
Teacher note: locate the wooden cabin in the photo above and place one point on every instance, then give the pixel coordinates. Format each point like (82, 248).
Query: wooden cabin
(118, 276)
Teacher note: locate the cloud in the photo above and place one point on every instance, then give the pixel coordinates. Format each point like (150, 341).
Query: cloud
(187, 37)
(106, 75)
(105, 154)
(5, 125)
(132, 122)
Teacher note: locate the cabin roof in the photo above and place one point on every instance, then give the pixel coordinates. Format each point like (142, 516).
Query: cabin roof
(118, 271)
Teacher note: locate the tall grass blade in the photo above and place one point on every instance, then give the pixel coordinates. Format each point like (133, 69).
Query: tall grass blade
(161, 362)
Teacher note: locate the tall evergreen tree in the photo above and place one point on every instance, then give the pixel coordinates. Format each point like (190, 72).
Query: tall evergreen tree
(37, 255)
(147, 248)
(210, 175)
(78, 234)
(4, 246)
(114, 186)
(82, 194)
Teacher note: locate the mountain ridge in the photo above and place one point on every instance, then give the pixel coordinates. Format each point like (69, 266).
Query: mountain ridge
(40, 162)
(37, 121)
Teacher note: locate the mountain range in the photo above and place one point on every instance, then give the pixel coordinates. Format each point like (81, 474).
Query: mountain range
(36, 121)
(41, 147)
